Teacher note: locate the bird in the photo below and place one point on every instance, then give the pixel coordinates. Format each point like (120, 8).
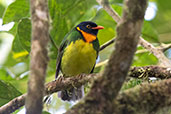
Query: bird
(77, 54)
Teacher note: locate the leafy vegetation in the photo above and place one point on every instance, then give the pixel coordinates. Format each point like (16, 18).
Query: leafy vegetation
(64, 15)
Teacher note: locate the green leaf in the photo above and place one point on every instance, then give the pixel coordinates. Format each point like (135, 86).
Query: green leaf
(20, 84)
(45, 112)
(118, 8)
(13, 30)
(162, 21)
(2, 9)
(115, 1)
(103, 19)
(8, 92)
(105, 53)
(149, 33)
(51, 67)
(65, 15)
(17, 46)
(24, 33)
(144, 59)
(4, 75)
(22, 41)
(16, 11)
(131, 83)
(1, 41)
(89, 14)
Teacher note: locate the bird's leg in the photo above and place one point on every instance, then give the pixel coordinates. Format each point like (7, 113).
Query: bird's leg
(60, 78)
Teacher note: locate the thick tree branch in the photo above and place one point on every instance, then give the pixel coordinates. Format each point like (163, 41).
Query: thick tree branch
(121, 99)
(162, 47)
(51, 87)
(150, 71)
(13, 105)
(146, 98)
(39, 56)
(67, 83)
(106, 88)
(77, 81)
(158, 53)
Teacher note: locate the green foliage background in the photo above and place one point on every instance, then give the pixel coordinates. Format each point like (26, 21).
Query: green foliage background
(64, 15)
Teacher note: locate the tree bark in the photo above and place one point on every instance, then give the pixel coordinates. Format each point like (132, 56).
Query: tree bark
(147, 98)
(77, 81)
(164, 61)
(150, 71)
(39, 57)
(106, 88)
(13, 105)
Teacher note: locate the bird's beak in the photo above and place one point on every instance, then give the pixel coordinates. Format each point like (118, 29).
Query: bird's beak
(98, 27)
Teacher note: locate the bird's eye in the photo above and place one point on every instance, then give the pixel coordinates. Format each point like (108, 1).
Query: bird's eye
(88, 26)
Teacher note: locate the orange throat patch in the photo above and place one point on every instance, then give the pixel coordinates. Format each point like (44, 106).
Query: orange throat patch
(87, 36)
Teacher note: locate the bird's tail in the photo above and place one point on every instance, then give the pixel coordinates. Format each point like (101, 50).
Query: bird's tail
(72, 94)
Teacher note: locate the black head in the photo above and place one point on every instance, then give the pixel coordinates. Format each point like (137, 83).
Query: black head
(89, 27)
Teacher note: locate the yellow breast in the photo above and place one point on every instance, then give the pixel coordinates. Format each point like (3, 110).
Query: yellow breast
(79, 57)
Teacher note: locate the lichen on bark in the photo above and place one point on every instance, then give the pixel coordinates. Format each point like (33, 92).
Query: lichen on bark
(106, 88)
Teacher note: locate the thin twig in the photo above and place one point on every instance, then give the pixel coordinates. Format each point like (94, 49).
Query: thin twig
(109, 9)
(53, 42)
(107, 44)
(79, 80)
(102, 63)
(100, 97)
(158, 53)
(51, 87)
(165, 47)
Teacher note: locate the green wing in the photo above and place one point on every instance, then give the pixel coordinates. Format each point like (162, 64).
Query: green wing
(73, 35)
(96, 47)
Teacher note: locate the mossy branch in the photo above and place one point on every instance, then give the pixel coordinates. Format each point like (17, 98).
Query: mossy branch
(150, 71)
(147, 98)
(106, 88)
(156, 52)
(66, 83)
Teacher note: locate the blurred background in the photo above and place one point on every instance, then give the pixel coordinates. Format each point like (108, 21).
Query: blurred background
(15, 35)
